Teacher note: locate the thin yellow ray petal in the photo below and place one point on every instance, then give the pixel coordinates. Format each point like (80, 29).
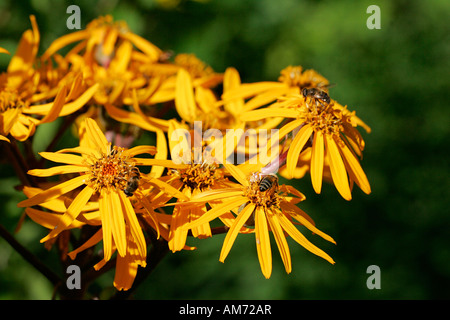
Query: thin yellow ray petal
(158, 162)
(337, 168)
(47, 219)
(3, 138)
(237, 174)
(184, 96)
(105, 210)
(167, 188)
(265, 113)
(263, 242)
(217, 211)
(280, 239)
(117, 223)
(217, 194)
(63, 158)
(122, 57)
(177, 234)
(72, 212)
(241, 218)
(152, 51)
(302, 217)
(139, 150)
(53, 192)
(247, 90)
(161, 153)
(63, 41)
(133, 223)
(354, 169)
(96, 135)
(56, 170)
(57, 106)
(296, 147)
(67, 108)
(300, 238)
(92, 241)
(317, 158)
(129, 117)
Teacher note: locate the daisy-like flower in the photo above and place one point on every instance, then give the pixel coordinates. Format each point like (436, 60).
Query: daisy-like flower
(291, 81)
(194, 174)
(259, 200)
(23, 105)
(335, 140)
(109, 173)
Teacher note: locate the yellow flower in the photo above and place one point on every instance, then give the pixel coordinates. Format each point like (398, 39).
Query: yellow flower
(108, 173)
(194, 174)
(260, 201)
(291, 81)
(21, 97)
(329, 129)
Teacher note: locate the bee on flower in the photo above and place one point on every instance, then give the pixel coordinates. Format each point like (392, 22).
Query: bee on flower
(103, 173)
(258, 198)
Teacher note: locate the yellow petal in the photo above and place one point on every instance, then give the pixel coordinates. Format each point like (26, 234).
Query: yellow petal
(184, 97)
(3, 138)
(63, 158)
(57, 106)
(241, 218)
(56, 170)
(217, 211)
(317, 159)
(237, 174)
(117, 222)
(263, 242)
(72, 212)
(53, 192)
(96, 135)
(300, 238)
(280, 239)
(139, 150)
(161, 153)
(47, 219)
(354, 169)
(301, 216)
(133, 223)
(178, 234)
(152, 51)
(92, 241)
(64, 41)
(217, 194)
(337, 168)
(296, 147)
(247, 90)
(105, 213)
(265, 113)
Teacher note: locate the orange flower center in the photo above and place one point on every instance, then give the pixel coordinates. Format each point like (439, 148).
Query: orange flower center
(199, 176)
(263, 190)
(111, 170)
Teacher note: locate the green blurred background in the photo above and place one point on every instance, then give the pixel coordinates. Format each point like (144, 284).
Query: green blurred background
(397, 80)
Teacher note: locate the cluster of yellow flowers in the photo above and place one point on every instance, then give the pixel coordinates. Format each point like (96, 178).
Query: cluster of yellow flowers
(114, 86)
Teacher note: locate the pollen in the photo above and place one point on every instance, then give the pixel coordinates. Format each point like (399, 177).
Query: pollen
(268, 198)
(295, 76)
(111, 170)
(199, 176)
